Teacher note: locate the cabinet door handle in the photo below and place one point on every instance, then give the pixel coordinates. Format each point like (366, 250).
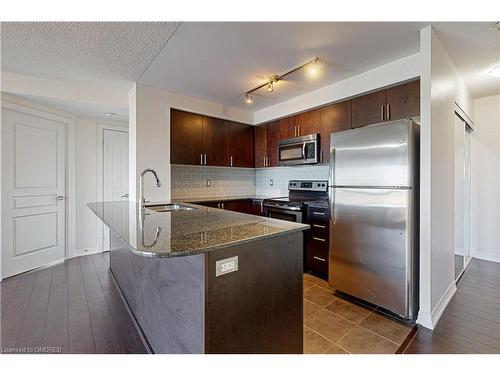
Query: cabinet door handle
(382, 112)
(388, 112)
(319, 239)
(222, 205)
(319, 226)
(318, 258)
(231, 161)
(205, 159)
(319, 213)
(201, 159)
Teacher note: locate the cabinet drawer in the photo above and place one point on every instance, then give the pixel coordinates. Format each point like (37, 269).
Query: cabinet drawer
(317, 260)
(318, 240)
(317, 215)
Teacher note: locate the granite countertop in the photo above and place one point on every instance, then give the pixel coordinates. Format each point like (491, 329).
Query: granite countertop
(221, 199)
(183, 233)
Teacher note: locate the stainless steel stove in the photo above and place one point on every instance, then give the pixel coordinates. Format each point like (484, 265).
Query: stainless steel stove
(300, 193)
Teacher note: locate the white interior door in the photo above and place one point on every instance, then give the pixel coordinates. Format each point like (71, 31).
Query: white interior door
(115, 170)
(33, 191)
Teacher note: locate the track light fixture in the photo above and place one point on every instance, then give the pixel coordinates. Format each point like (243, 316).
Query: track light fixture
(248, 99)
(278, 77)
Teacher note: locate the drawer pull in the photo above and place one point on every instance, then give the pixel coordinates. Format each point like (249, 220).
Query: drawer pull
(319, 239)
(319, 213)
(318, 258)
(319, 226)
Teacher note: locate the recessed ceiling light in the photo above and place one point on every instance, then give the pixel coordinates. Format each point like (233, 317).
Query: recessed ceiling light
(495, 71)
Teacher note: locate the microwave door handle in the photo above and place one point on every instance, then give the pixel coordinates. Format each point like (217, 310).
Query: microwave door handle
(304, 151)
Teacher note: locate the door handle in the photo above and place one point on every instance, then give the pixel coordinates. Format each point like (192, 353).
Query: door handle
(388, 112)
(319, 213)
(60, 197)
(318, 258)
(205, 159)
(382, 112)
(201, 159)
(231, 160)
(125, 195)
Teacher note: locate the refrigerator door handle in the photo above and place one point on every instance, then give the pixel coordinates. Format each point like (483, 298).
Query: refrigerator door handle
(331, 171)
(331, 198)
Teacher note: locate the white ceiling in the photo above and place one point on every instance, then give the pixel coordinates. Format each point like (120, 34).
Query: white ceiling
(103, 53)
(219, 61)
(474, 49)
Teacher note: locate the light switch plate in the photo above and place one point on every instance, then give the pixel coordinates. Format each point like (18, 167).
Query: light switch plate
(225, 266)
(271, 182)
(209, 182)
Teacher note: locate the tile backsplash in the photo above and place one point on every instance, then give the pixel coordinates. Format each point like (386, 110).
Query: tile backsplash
(191, 181)
(281, 176)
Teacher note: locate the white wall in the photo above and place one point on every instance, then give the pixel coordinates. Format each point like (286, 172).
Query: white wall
(441, 88)
(149, 134)
(397, 71)
(485, 171)
(87, 180)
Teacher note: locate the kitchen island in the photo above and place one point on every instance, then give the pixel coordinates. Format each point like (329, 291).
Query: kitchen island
(205, 280)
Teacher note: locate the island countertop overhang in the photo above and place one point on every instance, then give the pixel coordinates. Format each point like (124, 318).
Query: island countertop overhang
(185, 233)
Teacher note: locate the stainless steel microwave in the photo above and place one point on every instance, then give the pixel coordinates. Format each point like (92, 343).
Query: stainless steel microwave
(299, 150)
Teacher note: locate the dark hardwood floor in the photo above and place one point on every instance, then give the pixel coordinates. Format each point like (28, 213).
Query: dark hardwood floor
(71, 307)
(471, 322)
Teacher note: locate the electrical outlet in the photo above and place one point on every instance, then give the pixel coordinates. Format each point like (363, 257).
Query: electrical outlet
(209, 182)
(271, 182)
(227, 265)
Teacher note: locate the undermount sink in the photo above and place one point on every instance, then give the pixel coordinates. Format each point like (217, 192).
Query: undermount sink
(170, 207)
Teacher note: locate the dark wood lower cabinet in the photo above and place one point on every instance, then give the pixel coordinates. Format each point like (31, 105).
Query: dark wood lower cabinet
(317, 240)
(246, 206)
(183, 307)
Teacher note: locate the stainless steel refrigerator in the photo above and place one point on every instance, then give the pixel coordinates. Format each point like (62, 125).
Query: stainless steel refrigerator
(373, 192)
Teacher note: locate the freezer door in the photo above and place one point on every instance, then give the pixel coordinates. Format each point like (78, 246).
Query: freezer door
(372, 248)
(375, 155)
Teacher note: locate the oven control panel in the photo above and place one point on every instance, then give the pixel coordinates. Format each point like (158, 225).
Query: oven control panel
(308, 185)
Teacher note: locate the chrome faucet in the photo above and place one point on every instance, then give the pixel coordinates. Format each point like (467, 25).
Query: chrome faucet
(141, 185)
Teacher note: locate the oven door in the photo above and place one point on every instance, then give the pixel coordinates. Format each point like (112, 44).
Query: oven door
(283, 214)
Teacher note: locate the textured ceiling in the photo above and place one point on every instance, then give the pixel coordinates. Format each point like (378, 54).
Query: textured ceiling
(106, 53)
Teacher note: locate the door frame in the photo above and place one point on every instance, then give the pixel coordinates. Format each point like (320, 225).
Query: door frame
(33, 109)
(101, 127)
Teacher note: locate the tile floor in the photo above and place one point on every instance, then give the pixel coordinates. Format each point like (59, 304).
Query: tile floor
(334, 325)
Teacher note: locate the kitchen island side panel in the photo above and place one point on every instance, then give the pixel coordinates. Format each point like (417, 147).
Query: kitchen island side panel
(258, 308)
(166, 296)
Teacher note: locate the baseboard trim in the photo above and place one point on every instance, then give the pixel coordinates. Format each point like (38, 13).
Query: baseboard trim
(438, 310)
(81, 252)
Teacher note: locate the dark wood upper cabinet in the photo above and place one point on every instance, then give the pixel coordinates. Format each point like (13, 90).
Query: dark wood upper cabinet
(260, 146)
(273, 137)
(215, 141)
(309, 122)
(403, 101)
(241, 145)
(334, 118)
(186, 137)
(368, 109)
(288, 127)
